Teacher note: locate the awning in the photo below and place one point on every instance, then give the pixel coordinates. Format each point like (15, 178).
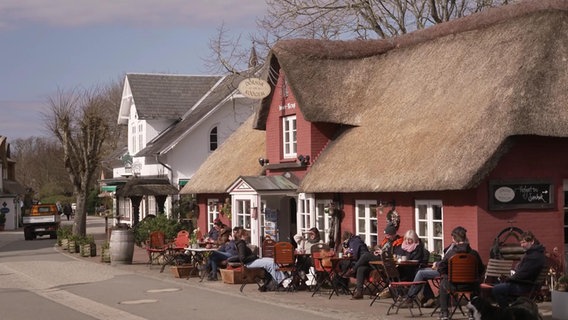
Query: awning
(183, 182)
(146, 187)
(108, 188)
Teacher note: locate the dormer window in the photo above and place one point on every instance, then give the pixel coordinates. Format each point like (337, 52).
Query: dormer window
(213, 139)
(289, 142)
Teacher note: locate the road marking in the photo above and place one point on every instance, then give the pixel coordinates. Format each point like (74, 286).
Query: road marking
(142, 301)
(14, 278)
(163, 290)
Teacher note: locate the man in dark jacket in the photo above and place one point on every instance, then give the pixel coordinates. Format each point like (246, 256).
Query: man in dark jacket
(460, 244)
(526, 271)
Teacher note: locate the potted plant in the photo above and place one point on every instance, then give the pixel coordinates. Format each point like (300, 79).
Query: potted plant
(105, 252)
(63, 233)
(88, 248)
(73, 243)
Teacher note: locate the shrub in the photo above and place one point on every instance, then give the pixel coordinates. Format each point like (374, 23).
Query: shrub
(155, 223)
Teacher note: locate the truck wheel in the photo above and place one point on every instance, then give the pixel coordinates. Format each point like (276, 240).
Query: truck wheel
(28, 234)
(53, 236)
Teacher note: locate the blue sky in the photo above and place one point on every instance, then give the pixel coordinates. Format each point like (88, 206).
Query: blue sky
(51, 44)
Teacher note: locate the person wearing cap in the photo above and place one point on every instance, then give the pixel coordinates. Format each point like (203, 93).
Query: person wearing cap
(362, 268)
(460, 244)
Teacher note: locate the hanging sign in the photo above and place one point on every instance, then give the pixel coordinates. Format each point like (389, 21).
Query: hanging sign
(254, 88)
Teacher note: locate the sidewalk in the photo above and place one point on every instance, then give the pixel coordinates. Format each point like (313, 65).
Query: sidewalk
(338, 307)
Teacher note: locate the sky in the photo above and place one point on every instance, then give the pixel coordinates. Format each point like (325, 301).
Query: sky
(51, 45)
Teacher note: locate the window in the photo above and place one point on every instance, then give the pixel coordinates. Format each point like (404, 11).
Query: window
(242, 212)
(289, 136)
(212, 212)
(213, 142)
(323, 219)
(304, 214)
(429, 227)
(133, 140)
(366, 221)
(140, 137)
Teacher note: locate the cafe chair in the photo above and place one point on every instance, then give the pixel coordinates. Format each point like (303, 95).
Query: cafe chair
(286, 262)
(539, 288)
(268, 247)
(156, 247)
(463, 280)
(175, 254)
(321, 257)
(495, 272)
(374, 283)
(399, 289)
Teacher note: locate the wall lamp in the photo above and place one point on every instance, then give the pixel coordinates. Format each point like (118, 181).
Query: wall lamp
(263, 161)
(304, 160)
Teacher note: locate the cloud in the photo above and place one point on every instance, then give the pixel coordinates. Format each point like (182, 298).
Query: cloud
(150, 13)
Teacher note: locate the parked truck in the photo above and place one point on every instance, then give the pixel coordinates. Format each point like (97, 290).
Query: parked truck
(42, 219)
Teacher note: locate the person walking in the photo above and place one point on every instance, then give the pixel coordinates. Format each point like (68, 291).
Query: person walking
(67, 211)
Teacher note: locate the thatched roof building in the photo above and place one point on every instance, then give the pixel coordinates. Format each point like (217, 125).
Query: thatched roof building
(237, 156)
(434, 109)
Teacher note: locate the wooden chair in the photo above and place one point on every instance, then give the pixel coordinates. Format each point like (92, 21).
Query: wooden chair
(463, 279)
(496, 270)
(286, 261)
(156, 247)
(321, 253)
(399, 289)
(268, 247)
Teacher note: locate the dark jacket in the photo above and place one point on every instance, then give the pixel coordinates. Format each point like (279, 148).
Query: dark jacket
(460, 248)
(528, 269)
(229, 247)
(356, 247)
(246, 255)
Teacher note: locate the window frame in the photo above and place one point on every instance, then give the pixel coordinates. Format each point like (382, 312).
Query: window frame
(368, 230)
(289, 137)
(213, 139)
(428, 234)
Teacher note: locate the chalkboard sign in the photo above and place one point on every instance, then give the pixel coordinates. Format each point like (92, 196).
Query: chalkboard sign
(505, 195)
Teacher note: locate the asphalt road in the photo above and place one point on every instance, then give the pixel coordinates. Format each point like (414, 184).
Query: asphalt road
(38, 280)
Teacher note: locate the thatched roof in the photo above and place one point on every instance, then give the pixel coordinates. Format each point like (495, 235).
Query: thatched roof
(237, 156)
(431, 110)
(143, 186)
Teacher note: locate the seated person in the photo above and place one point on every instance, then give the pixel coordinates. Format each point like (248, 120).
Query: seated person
(251, 260)
(362, 268)
(413, 249)
(526, 271)
(460, 245)
(305, 246)
(218, 228)
(227, 249)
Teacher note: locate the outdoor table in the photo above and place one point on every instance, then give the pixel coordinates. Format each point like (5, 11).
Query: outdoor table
(200, 257)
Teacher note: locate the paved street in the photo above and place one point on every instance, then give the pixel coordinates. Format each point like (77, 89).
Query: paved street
(36, 276)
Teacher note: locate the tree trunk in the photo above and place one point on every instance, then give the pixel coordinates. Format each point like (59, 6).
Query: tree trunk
(80, 220)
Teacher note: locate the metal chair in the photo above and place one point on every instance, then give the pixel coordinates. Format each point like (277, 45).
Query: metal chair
(496, 270)
(156, 247)
(399, 289)
(463, 279)
(321, 254)
(285, 260)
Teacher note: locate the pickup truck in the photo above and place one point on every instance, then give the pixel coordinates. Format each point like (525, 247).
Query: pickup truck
(42, 219)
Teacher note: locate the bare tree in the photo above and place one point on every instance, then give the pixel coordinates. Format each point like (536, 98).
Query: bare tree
(341, 20)
(79, 119)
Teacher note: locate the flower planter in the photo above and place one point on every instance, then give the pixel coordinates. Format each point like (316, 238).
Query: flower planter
(559, 304)
(72, 246)
(181, 271)
(88, 250)
(105, 255)
(65, 244)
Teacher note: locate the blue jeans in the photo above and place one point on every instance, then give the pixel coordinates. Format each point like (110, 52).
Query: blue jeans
(270, 267)
(424, 275)
(215, 258)
(502, 292)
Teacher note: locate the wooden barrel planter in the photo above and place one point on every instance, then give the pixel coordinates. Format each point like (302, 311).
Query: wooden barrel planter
(121, 246)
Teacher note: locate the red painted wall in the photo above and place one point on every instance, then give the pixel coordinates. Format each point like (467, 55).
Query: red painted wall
(528, 158)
